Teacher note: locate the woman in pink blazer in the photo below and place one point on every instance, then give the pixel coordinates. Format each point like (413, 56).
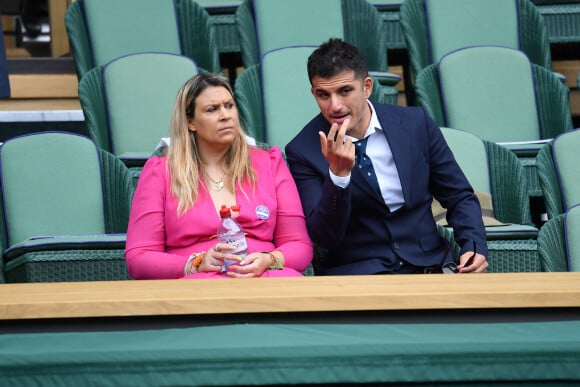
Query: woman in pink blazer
(175, 211)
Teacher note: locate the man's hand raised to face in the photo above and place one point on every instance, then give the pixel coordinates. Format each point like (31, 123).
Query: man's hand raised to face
(338, 150)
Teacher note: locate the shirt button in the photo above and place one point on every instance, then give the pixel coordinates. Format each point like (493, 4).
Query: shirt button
(396, 245)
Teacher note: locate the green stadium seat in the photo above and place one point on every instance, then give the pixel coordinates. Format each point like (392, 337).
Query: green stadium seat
(497, 94)
(128, 102)
(266, 25)
(494, 170)
(432, 28)
(102, 30)
(65, 209)
(558, 242)
(559, 174)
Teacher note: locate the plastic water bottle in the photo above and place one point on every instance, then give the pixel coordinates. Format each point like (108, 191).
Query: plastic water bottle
(231, 232)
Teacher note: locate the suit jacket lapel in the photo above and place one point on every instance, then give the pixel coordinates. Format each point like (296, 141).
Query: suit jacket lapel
(400, 144)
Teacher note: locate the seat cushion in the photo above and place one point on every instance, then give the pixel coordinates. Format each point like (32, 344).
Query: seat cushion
(489, 22)
(140, 91)
(571, 232)
(565, 153)
(284, 79)
(470, 153)
(117, 28)
(51, 186)
(490, 91)
(511, 232)
(281, 23)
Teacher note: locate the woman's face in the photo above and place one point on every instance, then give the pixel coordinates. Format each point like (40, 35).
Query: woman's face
(216, 117)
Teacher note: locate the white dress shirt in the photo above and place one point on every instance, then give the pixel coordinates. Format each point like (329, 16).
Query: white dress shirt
(379, 151)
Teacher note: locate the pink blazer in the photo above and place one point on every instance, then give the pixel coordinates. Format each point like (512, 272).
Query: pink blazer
(159, 241)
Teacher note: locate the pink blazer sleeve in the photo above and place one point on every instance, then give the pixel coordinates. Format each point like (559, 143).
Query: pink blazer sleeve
(145, 248)
(290, 236)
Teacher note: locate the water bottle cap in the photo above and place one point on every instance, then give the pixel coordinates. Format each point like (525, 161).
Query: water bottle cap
(225, 211)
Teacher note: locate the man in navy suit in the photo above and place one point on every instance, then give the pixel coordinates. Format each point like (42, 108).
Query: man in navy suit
(389, 228)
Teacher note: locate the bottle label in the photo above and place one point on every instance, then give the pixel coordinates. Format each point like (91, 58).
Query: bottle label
(239, 246)
(240, 249)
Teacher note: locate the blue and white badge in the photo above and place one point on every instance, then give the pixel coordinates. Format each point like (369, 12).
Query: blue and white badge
(262, 212)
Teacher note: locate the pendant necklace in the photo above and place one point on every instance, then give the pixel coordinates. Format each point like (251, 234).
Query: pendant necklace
(219, 184)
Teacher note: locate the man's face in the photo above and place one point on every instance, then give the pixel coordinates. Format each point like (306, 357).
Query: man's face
(344, 96)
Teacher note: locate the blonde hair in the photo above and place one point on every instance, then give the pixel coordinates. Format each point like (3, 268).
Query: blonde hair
(183, 158)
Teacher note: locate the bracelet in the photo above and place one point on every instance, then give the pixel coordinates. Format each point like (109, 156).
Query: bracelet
(276, 264)
(193, 263)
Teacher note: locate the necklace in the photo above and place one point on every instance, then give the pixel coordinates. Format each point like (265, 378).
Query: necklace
(219, 184)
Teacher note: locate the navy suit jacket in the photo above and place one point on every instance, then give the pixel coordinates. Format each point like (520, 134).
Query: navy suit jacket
(354, 224)
(4, 81)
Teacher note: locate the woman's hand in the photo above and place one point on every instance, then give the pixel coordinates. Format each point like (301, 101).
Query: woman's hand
(214, 258)
(253, 265)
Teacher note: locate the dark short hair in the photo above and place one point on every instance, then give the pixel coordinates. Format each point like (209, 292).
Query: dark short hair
(335, 56)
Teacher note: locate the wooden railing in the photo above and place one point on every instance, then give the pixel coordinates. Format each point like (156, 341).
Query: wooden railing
(283, 295)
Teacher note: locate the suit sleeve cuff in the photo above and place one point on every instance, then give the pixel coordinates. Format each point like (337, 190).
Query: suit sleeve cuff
(339, 181)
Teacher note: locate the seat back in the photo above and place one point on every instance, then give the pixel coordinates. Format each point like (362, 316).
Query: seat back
(571, 232)
(281, 23)
(471, 155)
(489, 22)
(51, 185)
(565, 156)
(433, 28)
(265, 25)
(494, 170)
(117, 28)
(490, 92)
(140, 91)
(284, 79)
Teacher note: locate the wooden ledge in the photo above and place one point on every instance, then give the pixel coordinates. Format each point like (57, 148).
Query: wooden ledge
(43, 86)
(273, 295)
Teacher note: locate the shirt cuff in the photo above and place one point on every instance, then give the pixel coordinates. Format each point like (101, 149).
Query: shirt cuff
(339, 181)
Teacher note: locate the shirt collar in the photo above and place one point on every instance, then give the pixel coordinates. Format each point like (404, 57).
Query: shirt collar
(374, 124)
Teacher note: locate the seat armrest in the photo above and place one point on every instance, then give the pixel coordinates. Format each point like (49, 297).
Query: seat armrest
(66, 242)
(511, 232)
(525, 148)
(560, 76)
(385, 78)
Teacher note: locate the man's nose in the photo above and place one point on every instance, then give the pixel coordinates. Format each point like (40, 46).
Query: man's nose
(335, 102)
